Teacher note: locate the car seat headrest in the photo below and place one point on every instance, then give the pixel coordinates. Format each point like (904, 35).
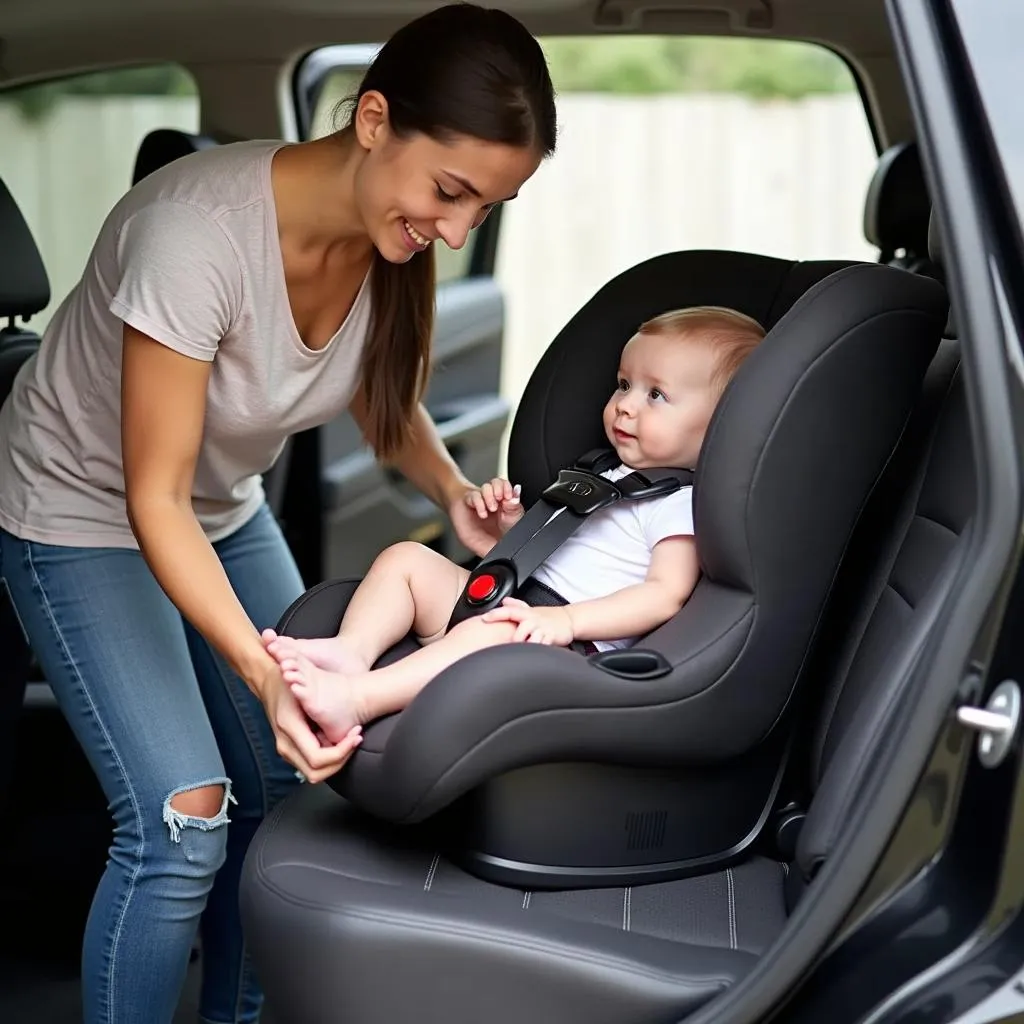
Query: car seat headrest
(162, 145)
(559, 416)
(897, 205)
(24, 286)
(780, 437)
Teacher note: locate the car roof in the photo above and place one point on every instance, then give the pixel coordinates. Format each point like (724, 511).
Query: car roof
(49, 38)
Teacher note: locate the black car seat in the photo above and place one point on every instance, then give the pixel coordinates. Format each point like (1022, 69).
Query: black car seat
(162, 145)
(691, 717)
(24, 291)
(897, 208)
(349, 917)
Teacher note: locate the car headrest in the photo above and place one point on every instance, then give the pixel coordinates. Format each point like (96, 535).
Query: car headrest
(162, 145)
(24, 286)
(551, 430)
(897, 205)
(787, 426)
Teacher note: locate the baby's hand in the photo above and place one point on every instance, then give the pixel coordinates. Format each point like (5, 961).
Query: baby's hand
(498, 497)
(535, 625)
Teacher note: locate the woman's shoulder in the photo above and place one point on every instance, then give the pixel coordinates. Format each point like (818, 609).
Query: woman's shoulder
(216, 180)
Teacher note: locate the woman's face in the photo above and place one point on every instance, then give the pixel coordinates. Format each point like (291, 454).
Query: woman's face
(411, 192)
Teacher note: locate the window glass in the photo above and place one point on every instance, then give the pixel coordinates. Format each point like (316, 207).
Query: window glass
(68, 153)
(332, 110)
(669, 143)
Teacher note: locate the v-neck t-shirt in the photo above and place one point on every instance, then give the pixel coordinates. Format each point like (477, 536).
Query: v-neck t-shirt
(190, 256)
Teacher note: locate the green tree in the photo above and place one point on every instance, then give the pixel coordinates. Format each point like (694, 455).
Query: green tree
(658, 64)
(36, 101)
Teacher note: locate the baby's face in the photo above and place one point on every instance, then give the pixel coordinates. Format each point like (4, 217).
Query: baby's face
(661, 408)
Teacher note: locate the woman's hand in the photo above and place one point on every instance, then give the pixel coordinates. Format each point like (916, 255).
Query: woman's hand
(481, 516)
(296, 741)
(551, 626)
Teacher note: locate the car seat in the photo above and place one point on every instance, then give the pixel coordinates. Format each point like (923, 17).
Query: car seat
(351, 917)
(161, 146)
(552, 770)
(897, 208)
(24, 291)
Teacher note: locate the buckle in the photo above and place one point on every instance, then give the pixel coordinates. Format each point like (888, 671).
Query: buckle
(581, 492)
(637, 486)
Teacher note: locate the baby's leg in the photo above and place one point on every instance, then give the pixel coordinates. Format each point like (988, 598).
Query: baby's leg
(337, 702)
(409, 586)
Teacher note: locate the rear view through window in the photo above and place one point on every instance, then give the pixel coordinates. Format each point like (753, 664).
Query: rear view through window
(671, 143)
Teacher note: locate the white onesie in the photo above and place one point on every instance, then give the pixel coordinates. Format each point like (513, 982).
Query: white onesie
(612, 549)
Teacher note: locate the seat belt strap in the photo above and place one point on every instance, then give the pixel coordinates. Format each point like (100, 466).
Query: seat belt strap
(579, 492)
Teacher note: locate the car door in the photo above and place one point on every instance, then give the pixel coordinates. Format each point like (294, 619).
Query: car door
(340, 508)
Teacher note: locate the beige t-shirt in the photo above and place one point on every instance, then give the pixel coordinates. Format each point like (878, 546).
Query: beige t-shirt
(190, 256)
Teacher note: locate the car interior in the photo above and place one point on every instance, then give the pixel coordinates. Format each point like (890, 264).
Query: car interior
(605, 839)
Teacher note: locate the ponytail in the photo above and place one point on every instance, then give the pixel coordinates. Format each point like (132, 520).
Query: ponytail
(396, 360)
(459, 70)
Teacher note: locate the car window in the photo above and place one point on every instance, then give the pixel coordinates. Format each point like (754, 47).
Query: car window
(68, 152)
(332, 110)
(669, 143)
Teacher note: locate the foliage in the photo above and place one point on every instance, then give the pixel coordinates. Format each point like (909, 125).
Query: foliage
(35, 101)
(656, 64)
(625, 64)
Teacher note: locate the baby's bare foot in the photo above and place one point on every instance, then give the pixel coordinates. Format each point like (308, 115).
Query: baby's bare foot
(329, 698)
(329, 653)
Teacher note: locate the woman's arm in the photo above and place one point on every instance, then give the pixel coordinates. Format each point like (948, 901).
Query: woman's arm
(426, 463)
(163, 403)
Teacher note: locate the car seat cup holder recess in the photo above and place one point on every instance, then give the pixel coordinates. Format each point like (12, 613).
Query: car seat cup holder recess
(578, 492)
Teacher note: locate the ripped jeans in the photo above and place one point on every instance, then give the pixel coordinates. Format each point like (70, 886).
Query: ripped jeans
(159, 714)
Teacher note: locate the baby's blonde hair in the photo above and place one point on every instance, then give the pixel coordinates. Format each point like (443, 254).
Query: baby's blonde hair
(734, 334)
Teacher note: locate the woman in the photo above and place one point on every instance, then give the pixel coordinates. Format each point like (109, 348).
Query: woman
(233, 298)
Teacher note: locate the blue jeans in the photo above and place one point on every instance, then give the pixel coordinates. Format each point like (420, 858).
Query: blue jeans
(158, 713)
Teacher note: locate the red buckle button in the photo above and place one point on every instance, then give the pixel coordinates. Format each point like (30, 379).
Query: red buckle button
(482, 587)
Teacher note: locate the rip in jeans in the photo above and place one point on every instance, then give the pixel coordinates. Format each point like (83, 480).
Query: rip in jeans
(177, 820)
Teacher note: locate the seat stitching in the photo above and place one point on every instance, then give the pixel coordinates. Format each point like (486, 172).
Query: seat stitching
(431, 871)
(627, 907)
(732, 908)
(526, 899)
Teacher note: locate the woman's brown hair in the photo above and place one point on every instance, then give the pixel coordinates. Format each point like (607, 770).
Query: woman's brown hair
(461, 70)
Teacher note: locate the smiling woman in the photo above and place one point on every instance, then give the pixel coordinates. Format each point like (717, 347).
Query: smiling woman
(232, 298)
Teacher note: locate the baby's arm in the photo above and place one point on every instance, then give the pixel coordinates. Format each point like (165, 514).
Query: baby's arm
(632, 611)
(635, 610)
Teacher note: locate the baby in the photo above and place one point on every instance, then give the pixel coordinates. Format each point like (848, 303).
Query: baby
(627, 570)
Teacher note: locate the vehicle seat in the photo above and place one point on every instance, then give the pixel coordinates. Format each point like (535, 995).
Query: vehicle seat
(162, 145)
(348, 917)
(24, 291)
(897, 208)
(689, 717)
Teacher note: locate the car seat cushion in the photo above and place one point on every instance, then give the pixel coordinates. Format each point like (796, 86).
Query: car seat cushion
(371, 909)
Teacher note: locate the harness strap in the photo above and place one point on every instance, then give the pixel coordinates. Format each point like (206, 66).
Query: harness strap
(578, 492)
